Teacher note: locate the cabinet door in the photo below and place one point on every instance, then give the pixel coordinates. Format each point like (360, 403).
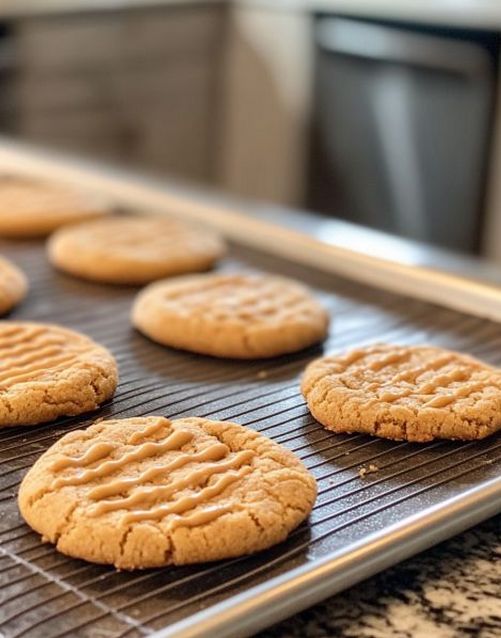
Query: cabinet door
(64, 44)
(169, 33)
(167, 117)
(142, 85)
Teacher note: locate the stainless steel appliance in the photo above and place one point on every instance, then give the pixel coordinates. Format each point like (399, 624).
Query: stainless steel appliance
(402, 120)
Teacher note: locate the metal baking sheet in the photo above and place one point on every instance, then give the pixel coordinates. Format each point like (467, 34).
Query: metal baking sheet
(419, 494)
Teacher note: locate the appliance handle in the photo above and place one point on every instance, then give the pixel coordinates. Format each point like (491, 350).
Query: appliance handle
(390, 44)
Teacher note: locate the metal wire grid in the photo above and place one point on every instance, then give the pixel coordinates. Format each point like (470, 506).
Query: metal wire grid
(43, 593)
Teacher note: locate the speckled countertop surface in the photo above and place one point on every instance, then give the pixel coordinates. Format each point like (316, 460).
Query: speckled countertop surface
(450, 591)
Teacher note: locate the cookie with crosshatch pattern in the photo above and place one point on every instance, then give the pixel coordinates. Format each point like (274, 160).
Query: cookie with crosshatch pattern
(138, 249)
(413, 393)
(31, 207)
(146, 492)
(240, 316)
(13, 285)
(47, 371)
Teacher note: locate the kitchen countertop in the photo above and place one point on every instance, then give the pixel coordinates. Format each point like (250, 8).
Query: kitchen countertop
(26, 8)
(483, 14)
(451, 591)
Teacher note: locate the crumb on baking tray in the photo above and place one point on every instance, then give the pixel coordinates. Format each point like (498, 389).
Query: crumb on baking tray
(367, 470)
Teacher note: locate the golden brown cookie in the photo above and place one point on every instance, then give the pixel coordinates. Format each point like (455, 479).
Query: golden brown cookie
(13, 285)
(146, 492)
(47, 371)
(236, 316)
(133, 250)
(413, 393)
(34, 208)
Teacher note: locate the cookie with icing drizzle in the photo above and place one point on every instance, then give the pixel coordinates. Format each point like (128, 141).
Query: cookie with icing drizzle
(47, 371)
(146, 492)
(13, 285)
(240, 316)
(413, 393)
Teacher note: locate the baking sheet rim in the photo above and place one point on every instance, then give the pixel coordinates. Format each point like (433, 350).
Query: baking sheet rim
(266, 604)
(433, 285)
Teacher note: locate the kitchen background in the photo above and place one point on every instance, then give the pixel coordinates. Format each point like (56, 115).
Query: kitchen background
(381, 113)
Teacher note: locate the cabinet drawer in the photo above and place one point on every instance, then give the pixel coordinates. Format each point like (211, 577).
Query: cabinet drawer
(103, 41)
(81, 123)
(177, 82)
(180, 147)
(69, 43)
(37, 92)
(172, 32)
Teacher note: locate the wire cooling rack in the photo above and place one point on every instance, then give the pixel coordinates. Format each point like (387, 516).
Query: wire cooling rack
(43, 593)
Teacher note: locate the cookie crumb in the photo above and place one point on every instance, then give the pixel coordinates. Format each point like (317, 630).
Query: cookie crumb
(262, 374)
(363, 471)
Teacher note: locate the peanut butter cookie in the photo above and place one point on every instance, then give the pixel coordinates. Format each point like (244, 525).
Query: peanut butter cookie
(413, 393)
(146, 492)
(236, 316)
(34, 208)
(133, 250)
(13, 285)
(47, 371)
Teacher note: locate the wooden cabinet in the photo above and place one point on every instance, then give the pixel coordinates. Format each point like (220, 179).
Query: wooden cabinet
(139, 87)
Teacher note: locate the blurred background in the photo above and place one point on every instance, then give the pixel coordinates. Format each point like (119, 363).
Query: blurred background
(381, 113)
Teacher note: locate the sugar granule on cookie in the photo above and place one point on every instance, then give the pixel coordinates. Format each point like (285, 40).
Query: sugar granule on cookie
(147, 492)
(238, 316)
(414, 393)
(47, 371)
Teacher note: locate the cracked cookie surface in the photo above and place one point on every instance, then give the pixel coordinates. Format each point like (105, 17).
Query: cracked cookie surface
(133, 250)
(413, 393)
(145, 492)
(34, 208)
(236, 316)
(47, 371)
(13, 285)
